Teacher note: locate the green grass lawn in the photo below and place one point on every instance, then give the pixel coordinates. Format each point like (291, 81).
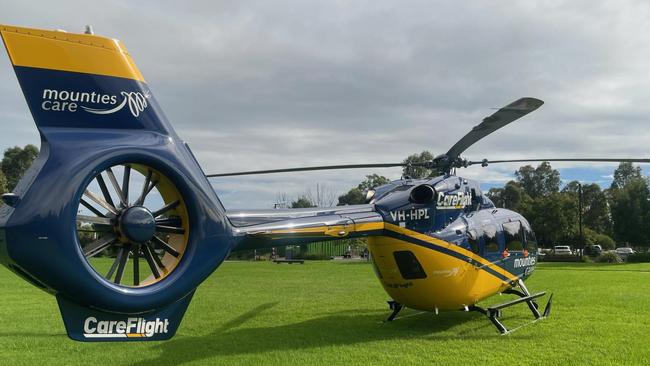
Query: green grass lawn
(332, 312)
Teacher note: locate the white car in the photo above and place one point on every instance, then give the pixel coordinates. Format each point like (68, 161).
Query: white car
(562, 250)
(624, 251)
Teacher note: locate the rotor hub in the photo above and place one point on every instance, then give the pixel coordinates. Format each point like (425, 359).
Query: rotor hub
(137, 224)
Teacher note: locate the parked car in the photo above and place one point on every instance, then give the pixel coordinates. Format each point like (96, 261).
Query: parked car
(562, 250)
(594, 250)
(623, 252)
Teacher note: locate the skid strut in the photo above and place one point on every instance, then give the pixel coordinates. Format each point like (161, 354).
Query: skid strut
(494, 312)
(395, 307)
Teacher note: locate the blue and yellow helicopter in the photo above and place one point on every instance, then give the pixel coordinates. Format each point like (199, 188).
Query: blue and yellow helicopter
(113, 179)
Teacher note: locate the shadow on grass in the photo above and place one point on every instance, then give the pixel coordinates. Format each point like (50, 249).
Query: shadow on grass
(34, 335)
(345, 329)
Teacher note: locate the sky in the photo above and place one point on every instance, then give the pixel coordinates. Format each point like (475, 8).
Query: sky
(273, 84)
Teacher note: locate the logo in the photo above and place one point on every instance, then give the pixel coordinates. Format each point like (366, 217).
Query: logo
(446, 272)
(525, 262)
(453, 201)
(92, 102)
(129, 328)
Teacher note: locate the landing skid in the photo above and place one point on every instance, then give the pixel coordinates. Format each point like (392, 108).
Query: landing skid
(494, 312)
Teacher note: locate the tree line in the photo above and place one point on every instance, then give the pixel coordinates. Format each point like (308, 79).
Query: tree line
(617, 215)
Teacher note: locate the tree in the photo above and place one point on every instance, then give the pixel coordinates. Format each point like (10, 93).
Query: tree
(511, 196)
(604, 241)
(540, 181)
(496, 195)
(594, 238)
(3, 183)
(372, 181)
(418, 172)
(595, 214)
(353, 197)
(324, 197)
(553, 218)
(625, 173)
(357, 196)
(631, 212)
(15, 162)
(302, 202)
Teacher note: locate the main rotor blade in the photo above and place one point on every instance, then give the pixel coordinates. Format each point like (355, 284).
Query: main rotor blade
(485, 162)
(500, 118)
(311, 168)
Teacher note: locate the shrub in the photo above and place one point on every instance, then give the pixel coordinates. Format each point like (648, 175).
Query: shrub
(609, 257)
(639, 258)
(586, 259)
(604, 241)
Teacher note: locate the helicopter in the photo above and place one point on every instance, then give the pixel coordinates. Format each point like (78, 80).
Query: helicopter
(118, 221)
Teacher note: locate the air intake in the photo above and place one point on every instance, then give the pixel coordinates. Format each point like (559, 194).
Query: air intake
(421, 194)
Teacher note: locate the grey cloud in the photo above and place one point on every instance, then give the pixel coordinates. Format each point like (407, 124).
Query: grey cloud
(258, 84)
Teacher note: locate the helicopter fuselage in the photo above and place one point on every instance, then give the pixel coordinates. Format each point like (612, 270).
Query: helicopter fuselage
(435, 244)
(452, 251)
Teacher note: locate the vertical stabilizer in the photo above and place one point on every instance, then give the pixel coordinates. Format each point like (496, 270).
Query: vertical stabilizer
(81, 81)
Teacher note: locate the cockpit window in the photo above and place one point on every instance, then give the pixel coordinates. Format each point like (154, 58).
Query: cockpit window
(531, 241)
(513, 235)
(487, 203)
(476, 201)
(490, 238)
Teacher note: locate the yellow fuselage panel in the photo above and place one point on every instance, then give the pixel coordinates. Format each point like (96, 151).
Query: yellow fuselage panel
(450, 284)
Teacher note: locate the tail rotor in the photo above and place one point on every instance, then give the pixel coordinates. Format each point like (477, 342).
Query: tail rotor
(143, 219)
